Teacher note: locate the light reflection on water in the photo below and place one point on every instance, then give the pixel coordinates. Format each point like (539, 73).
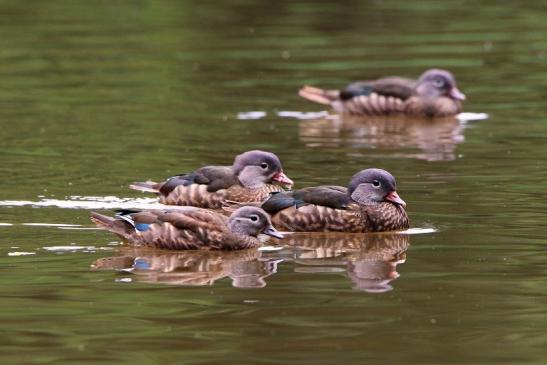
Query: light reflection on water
(370, 261)
(90, 202)
(246, 269)
(434, 140)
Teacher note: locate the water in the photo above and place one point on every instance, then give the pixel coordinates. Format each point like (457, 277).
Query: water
(97, 95)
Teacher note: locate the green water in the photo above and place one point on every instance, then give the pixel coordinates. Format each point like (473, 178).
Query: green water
(95, 95)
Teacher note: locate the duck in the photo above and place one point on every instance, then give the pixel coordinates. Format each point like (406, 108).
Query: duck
(370, 203)
(252, 177)
(434, 94)
(189, 228)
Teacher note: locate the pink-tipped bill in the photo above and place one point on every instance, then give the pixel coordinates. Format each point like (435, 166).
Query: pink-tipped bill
(281, 178)
(394, 198)
(271, 231)
(454, 93)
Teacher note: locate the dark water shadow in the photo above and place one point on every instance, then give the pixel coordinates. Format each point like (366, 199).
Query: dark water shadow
(247, 268)
(370, 261)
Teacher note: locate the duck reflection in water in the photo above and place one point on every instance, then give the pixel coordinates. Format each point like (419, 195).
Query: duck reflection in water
(434, 139)
(246, 268)
(370, 260)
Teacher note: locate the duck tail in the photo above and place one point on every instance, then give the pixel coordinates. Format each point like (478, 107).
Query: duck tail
(319, 95)
(145, 186)
(111, 224)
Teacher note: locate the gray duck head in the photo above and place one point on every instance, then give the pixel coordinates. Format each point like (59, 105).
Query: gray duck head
(436, 83)
(372, 186)
(251, 221)
(255, 168)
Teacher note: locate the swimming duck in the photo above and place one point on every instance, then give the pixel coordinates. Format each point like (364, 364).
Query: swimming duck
(434, 94)
(369, 204)
(189, 228)
(250, 179)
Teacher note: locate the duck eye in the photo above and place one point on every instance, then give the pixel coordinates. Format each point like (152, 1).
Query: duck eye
(254, 218)
(376, 184)
(438, 83)
(264, 165)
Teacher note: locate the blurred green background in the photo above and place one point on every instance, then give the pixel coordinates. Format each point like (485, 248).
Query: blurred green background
(97, 94)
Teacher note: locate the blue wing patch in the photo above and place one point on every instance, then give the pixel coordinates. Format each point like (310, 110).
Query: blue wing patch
(141, 227)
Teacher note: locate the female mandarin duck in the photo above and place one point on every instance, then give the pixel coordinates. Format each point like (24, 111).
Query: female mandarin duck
(369, 204)
(434, 94)
(189, 228)
(249, 179)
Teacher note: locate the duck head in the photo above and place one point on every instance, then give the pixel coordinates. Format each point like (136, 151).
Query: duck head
(372, 186)
(436, 83)
(255, 168)
(251, 221)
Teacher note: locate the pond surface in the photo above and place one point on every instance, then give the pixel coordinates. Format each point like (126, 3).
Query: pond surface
(95, 96)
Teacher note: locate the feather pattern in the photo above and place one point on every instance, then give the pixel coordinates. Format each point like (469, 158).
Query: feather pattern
(253, 176)
(434, 94)
(316, 218)
(197, 195)
(369, 204)
(190, 228)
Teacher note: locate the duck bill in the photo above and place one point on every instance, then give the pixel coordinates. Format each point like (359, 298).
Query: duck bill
(394, 198)
(283, 179)
(454, 93)
(271, 231)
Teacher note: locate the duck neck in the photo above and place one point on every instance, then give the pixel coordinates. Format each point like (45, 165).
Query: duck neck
(362, 199)
(250, 183)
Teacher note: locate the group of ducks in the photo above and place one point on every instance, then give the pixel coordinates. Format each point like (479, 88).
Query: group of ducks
(253, 187)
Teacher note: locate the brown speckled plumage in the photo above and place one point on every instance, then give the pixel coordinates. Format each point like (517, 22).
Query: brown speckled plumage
(434, 94)
(379, 217)
(197, 195)
(250, 179)
(360, 208)
(190, 228)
